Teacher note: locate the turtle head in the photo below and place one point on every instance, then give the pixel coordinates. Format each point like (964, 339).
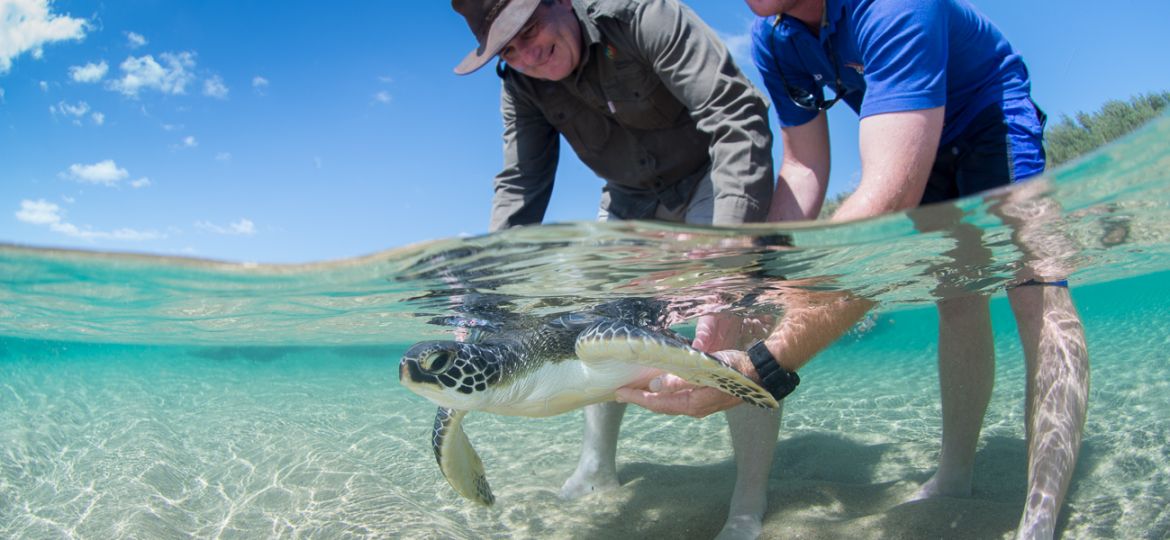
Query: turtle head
(449, 373)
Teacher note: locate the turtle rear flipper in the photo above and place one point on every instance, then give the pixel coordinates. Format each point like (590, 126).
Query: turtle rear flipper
(613, 339)
(457, 459)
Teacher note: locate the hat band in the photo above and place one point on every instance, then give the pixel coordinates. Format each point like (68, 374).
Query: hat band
(490, 18)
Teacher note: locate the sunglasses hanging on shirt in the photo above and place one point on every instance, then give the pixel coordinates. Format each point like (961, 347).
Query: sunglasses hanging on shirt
(810, 101)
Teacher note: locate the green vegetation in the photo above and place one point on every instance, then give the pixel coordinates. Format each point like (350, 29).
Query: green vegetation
(1073, 137)
(1078, 135)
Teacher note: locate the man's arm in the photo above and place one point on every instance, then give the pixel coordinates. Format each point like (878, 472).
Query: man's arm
(898, 150)
(897, 153)
(804, 173)
(531, 150)
(813, 321)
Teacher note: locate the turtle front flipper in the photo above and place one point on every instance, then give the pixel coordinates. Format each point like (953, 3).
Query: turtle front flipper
(457, 459)
(613, 339)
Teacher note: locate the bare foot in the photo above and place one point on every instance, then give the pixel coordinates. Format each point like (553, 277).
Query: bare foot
(944, 484)
(586, 480)
(741, 527)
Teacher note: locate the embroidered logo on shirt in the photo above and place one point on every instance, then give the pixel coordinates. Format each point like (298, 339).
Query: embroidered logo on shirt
(860, 69)
(610, 51)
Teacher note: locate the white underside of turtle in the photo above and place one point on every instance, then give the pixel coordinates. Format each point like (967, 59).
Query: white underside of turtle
(562, 365)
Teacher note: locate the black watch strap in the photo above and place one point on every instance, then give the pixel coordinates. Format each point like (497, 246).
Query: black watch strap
(776, 380)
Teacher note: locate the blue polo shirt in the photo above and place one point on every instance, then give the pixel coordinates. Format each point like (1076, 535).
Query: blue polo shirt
(892, 56)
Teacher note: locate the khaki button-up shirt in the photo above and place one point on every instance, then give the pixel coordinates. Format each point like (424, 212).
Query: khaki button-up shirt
(656, 104)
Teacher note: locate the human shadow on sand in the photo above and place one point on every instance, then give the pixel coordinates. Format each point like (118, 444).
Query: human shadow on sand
(821, 487)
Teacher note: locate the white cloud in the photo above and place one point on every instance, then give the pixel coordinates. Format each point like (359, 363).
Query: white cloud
(145, 73)
(44, 86)
(63, 108)
(223, 156)
(1, 96)
(215, 88)
(243, 227)
(383, 97)
(73, 112)
(135, 40)
(140, 183)
(106, 173)
(27, 26)
(259, 84)
(89, 73)
(42, 212)
(38, 212)
(98, 118)
(190, 142)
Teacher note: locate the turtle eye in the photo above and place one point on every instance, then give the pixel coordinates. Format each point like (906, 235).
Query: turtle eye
(436, 361)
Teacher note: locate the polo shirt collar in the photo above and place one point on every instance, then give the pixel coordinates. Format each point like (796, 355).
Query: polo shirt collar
(834, 12)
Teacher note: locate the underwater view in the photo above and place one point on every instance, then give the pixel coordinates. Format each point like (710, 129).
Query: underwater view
(167, 397)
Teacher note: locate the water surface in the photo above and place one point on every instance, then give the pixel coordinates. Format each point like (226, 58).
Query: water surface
(154, 397)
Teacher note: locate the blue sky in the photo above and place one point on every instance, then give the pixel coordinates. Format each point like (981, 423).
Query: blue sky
(303, 131)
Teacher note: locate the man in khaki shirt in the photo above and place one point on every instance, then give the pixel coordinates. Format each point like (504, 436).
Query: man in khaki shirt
(650, 100)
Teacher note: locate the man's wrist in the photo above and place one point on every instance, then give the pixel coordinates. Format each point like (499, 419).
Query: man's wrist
(775, 379)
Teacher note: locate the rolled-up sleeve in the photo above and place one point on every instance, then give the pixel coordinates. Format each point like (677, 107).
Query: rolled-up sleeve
(696, 67)
(531, 146)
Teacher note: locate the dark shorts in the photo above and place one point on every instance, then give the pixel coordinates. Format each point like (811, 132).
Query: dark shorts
(1003, 144)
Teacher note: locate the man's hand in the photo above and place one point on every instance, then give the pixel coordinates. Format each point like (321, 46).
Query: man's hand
(668, 394)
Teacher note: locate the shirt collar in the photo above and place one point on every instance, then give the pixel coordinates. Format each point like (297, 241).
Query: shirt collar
(590, 34)
(834, 12)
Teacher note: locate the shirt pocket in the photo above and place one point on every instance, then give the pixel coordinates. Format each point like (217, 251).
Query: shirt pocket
(638, 99)
(586, 130)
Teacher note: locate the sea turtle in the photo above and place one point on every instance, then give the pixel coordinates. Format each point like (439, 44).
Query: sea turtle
(548, 367)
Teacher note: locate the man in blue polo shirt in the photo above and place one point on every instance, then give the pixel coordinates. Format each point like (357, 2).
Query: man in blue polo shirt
(945, 111)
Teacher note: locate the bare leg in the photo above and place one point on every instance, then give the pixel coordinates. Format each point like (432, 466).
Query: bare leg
(966, 372)
(597, 468)
(753, 436)
(1057, 398)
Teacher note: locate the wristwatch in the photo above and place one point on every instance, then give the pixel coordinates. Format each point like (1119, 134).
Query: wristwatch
(776, 380)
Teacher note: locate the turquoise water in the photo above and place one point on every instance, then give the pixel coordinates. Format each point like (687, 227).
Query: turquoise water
(150, 397)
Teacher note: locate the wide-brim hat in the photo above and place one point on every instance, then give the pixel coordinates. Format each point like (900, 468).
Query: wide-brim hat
(494, 23)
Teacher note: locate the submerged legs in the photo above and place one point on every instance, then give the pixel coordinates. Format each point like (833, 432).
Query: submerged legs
(1057, 396)
(966, 372)
(753, 436)
(1057, 399)
(597, 468)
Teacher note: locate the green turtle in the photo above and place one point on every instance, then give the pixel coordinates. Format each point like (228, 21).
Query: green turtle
(549, 367)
